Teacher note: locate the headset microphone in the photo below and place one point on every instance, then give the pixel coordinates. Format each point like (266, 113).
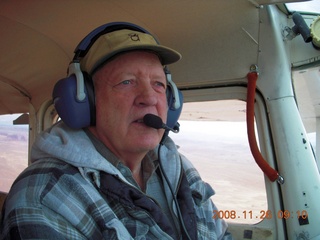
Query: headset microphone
(154, 121)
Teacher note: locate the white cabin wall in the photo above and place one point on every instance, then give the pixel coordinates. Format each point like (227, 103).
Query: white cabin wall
(294, 157)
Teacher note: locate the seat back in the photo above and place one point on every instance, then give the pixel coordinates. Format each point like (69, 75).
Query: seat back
(3, 196)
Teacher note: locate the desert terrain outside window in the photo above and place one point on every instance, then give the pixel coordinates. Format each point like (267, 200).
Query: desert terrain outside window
(14, 141)
(213, 136)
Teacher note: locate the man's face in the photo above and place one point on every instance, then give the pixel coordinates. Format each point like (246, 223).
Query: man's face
(126, 89)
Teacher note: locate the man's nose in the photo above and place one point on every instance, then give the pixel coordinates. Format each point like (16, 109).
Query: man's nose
(146, 96)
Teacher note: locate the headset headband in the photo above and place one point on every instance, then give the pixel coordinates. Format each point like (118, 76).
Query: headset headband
(84, 46)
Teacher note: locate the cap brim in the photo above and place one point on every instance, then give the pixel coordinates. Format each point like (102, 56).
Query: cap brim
(111, 44)
(166, 55)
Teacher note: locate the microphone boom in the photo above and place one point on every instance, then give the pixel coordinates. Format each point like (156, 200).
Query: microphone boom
(154, 121)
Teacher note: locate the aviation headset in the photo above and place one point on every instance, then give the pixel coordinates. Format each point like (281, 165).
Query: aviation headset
(74, 97)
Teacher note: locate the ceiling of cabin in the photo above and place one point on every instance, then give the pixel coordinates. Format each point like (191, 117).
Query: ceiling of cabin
(217, 39)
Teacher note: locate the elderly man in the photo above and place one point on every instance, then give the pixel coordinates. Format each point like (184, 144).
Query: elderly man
(112, 179)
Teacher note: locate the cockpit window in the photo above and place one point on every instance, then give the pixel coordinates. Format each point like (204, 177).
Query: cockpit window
(13, 150)
(308, 7)
(213, 136)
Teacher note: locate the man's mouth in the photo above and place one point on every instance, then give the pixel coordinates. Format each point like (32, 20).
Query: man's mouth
(139, 121)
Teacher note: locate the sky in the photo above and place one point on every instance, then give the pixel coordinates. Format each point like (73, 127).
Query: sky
(7, 119)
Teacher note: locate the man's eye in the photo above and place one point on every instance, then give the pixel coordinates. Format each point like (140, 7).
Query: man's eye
(126, 82)
(161, 84)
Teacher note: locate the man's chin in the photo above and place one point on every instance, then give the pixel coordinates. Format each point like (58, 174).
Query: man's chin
(147, 143)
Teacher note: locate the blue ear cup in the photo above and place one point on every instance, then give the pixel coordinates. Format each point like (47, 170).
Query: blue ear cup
(175, 101)
(173, 113)
(75, 113)
(73, 96)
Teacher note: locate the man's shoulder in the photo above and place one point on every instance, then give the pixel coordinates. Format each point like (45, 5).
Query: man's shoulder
(44, 170)
(38, 179)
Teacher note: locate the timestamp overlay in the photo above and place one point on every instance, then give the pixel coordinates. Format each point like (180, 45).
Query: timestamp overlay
(233, 215)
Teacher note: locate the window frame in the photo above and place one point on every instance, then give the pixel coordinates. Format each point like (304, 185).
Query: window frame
(265, 142)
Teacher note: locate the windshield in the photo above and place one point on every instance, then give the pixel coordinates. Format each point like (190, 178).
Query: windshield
(312, 7)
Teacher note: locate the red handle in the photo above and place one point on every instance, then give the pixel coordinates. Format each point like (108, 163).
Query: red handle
(262, 163)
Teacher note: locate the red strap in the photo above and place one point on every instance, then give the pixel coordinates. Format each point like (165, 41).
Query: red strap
(262, 163)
